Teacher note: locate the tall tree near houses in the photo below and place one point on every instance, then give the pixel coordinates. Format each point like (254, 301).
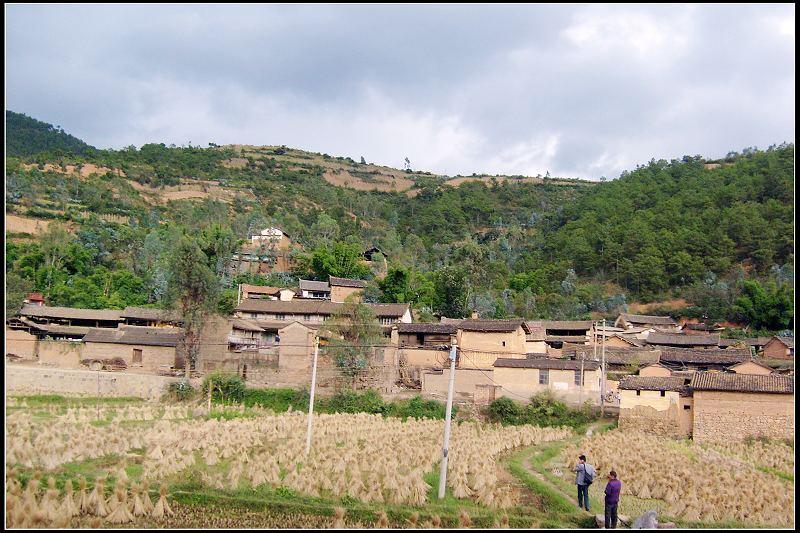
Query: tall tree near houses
(354, 335)
(194, 289)
(55, 247)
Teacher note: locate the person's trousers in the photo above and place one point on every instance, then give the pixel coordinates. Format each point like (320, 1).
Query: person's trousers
(611, 516)
(583, 496)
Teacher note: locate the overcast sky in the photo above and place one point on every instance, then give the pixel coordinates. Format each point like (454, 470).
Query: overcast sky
(580, 91)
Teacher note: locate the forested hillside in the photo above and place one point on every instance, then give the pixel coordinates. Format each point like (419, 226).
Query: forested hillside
(26, 136)
(718, 236)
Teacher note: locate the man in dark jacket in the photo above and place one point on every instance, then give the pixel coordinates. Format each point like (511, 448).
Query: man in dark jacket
(584, 474)
(612, 499)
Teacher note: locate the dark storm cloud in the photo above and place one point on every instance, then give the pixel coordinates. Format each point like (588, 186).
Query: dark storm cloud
(577, 90)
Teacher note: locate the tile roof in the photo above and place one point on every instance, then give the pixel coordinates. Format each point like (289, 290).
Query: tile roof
(245, 325)
(709, 356)
(44, 311)
(313, 306)
(657, 338)
(614, 355)
(347, 282)
(788, 341)
(545, 363)
(718, 381)
(261, 289)
(567, 324)
(724, 343)
(537, 332)
(318, 286)
(492, 325)
(649, 319)
(145, 313)
(135, 335)
(566, 338)
(672, 383)
(427, 328)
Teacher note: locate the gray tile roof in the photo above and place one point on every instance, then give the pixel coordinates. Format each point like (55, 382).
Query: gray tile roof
(649, 319)
(44, 311)
(492, 325)
(567, 324)
(545, 363)
(677, 384)
(313, 306)
(657, 338)
(315, 286)
(347, 282)
(135, 335)
(145, 313)
(447, 329)
(718, 381)
(728, 356)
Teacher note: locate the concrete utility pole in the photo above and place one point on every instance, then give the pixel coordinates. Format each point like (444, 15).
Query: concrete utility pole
(311, 397)
(603, 374)
(448, 416)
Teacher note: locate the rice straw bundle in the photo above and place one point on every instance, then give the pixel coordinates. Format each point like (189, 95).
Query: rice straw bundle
(162, 507)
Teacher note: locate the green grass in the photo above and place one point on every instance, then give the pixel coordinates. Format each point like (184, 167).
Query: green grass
(46, 400)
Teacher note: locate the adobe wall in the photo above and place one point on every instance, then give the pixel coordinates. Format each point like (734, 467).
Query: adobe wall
(436, 384)
(21, 343)
(61, 354)
(480, 349)
(726, 416)
(522, 383)
(153, 357)
(38, 380)
(339, 294)
(420, 357)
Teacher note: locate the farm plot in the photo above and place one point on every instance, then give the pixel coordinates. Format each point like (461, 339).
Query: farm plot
(124, 450)
(694, 484)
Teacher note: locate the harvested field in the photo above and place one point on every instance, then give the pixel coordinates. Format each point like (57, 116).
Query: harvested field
(32, 226)
(83, 171)
(379, 182)
(91, 463)
(738, 483)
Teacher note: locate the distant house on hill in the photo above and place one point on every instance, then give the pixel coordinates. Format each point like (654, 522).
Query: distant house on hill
(628, 321)
(315, 289)
(265, 252)
(341, 288)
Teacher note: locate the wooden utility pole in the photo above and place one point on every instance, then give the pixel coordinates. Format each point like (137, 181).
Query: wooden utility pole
(448, 416)
(603, 374)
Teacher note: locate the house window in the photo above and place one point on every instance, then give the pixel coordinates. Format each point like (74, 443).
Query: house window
(504, 343)
(638, 393)
(687, 407)
(544, 377)
(137, 356)
(578, 380)
(663, 393)
(307, 318)
(280, 317)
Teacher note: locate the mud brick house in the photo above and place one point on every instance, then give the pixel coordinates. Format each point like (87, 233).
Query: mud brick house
(752, 367)
(657, 404)
(779, 348)
(680, 340)
(148, 349)
(264, 292)
(266, 251)
(629, 321)
(535, 340)
(69, 316)
(700, 360)
(572, 381)
(480, 342)
(732, 407)
(559, 332)
(342, 288)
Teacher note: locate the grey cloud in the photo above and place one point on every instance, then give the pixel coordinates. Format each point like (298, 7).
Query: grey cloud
(581, 91)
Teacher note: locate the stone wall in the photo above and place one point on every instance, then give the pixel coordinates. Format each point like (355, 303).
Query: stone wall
(726, 416)
(38, 380)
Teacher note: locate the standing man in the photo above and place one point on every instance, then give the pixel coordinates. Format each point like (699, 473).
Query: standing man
(613, 489)
(584, 476)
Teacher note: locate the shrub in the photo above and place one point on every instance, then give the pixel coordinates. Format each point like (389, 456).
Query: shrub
(278, 400)
(543, 410)
(353, 402)
(181, 391)
(416, 407)
(227, 387)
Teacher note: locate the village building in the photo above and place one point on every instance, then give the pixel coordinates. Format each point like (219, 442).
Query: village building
(315, 289)
(681, 340)
(656, 404)
(145, 349)
(256, 292)
(69, 316)
(779, 348)
(574, 382)
(342, 288)
(628, 321)
(480, 342)
(535, 340)
(34, 298)
(703, 359)
(655, 370)
(751, 367)
(732, 407)
(701, 329)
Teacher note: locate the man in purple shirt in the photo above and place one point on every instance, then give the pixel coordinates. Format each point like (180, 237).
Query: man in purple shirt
(612, 499)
